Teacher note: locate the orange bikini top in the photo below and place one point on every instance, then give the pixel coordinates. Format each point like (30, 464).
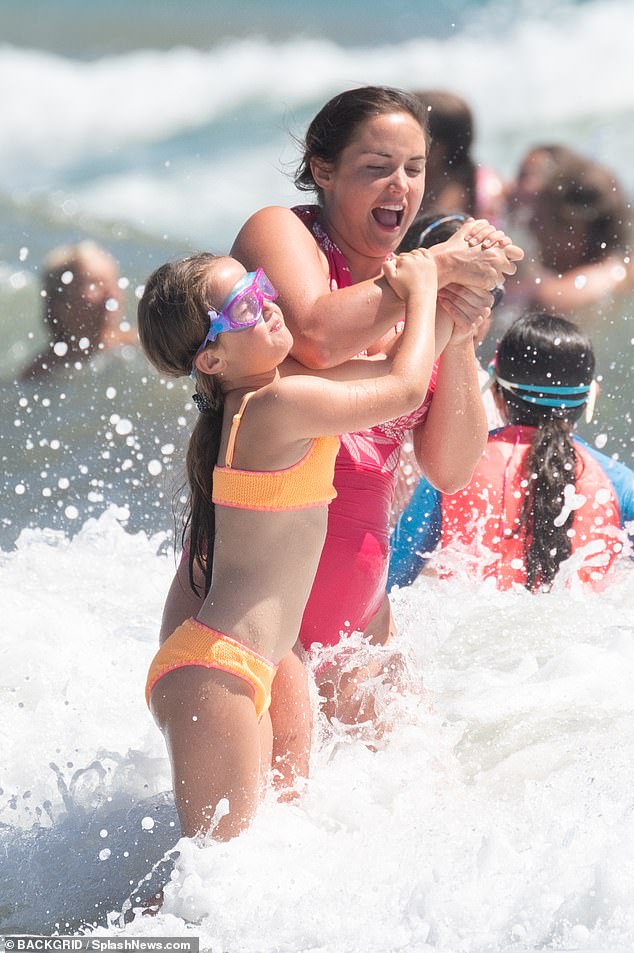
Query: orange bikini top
(306, 484)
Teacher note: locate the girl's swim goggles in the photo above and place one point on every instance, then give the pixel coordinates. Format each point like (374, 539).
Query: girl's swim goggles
(242, 308)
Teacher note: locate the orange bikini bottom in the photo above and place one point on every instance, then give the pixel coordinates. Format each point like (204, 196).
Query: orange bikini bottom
(194, 643)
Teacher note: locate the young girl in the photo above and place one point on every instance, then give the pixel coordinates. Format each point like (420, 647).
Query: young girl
(539, 495)
(260, 466)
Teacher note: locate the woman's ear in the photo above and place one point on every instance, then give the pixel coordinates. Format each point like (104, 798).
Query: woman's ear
(321, 172)
(210, 362)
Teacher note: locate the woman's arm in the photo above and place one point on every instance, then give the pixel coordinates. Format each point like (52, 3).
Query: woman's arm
(453, 436)
(477, 256)
(327, 327)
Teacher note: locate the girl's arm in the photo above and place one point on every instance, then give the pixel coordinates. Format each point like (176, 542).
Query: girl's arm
(312, 406)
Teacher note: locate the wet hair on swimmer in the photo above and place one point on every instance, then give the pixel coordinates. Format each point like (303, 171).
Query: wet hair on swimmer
(430, 229)
(173, 320)
(547, 350)
(336, 124)
(541, 348)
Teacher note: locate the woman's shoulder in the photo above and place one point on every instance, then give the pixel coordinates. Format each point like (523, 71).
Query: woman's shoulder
(274, 222)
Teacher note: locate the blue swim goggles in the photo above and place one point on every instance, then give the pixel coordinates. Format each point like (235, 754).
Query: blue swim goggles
(242, 308)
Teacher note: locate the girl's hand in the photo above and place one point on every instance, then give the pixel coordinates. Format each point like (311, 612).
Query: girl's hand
(408, 272)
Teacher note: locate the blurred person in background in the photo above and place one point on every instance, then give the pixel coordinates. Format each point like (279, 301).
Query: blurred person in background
(578, 228)
(454, 181)
(82, 308)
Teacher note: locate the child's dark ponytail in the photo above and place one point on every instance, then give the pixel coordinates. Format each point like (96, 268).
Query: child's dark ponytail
(173, 322)
(544, 366)
(550, 466)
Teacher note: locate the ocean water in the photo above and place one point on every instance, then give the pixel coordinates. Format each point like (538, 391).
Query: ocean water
(497, 813)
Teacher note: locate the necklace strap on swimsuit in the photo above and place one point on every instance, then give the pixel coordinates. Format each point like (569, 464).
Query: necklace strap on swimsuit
(235, 423)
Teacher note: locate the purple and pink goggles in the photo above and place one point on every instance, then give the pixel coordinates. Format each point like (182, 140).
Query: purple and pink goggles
(242, 308)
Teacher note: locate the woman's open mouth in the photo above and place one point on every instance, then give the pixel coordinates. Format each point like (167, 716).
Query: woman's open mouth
(388, 216)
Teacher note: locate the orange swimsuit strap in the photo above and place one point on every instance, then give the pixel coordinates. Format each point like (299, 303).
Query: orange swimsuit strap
(307, 483)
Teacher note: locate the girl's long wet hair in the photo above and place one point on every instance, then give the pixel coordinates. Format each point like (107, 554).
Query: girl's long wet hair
(173, 322)
(336, 124)
(549, 350)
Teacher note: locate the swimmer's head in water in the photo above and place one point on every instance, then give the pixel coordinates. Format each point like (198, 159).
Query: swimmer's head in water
(544, 367)
(431, 229)
(338, 122)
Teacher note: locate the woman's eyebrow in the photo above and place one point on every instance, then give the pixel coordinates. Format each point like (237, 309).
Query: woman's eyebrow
(389, 155)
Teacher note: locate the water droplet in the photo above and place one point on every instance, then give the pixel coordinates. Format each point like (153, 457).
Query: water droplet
(600, 440)
(105, 853)
(123, 426)
(71, 512)
(67, 277)
(147, 823)
(154, 467)
(18, 280)
(112, 304)
(20, 489)
(111, 393)
(60, 348)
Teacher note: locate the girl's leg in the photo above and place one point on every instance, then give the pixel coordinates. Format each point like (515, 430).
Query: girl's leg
(213, 739)
(292, 722)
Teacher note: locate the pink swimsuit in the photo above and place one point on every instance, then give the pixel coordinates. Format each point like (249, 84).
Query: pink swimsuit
(349, 587)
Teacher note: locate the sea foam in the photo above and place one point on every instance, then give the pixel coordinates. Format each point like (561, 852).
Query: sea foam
(494, 814)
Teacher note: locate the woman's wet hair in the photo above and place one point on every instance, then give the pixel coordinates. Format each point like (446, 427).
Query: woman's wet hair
(337, 123)
(548, 350)
(173, 322)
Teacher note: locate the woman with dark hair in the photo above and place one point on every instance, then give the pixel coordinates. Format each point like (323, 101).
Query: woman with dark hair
(579, 219)
(540, 494)
(364, 158)
(454, 181)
